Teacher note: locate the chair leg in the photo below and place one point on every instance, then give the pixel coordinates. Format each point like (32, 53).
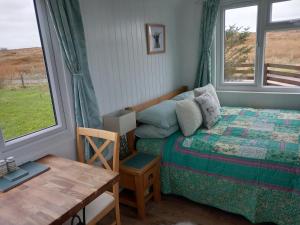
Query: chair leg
(117, 205)
(156, 186)
(140, 198)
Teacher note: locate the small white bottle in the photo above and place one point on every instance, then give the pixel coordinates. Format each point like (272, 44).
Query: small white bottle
(3, 168)
(11, 164)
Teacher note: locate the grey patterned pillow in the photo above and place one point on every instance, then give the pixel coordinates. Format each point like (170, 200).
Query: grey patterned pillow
(210, 89)
(210, 109)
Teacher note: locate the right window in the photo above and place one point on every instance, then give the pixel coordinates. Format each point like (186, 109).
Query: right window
(282, 58)
(259, 45)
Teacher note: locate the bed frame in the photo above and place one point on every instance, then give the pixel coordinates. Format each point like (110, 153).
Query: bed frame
(147, 104)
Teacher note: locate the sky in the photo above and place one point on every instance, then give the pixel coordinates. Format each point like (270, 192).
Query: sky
(18, 25)
(247, 16)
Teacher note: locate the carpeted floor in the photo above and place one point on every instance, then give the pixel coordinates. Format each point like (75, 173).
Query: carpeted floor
(173, 209)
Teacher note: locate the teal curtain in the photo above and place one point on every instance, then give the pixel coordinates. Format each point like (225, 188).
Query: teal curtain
(69, 27)
(208, 21)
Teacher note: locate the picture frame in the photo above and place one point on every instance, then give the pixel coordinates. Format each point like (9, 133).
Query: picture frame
(156, 38)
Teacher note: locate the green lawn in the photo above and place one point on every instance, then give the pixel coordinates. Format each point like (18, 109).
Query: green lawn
(25, 110)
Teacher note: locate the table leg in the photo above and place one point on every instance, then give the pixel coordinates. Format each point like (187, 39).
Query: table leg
(83, 222)
(83, 216)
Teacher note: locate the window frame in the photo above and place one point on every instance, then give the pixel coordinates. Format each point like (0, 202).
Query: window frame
(264, 25)
(59, 96)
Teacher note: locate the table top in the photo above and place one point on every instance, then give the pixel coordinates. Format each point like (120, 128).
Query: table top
(56, 195)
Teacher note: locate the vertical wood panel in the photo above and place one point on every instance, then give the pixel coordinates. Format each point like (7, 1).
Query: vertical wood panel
(122, 72)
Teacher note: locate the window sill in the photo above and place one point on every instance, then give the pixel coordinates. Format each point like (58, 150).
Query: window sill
(255, 89)
(42, 143)
(259, 99)
(33, 137)
(262, 92)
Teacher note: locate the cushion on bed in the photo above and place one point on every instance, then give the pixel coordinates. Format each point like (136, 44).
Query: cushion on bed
(210, 89)
(162, 115)
(150, 131)
(184, 95)
(210, 109)
(189, 116)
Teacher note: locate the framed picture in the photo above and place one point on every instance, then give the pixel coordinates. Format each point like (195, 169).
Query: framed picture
(156, 38)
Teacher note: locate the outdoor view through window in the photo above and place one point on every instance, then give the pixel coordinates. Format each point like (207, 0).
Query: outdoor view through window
(281, 45)
(240, 43)
(25, 98)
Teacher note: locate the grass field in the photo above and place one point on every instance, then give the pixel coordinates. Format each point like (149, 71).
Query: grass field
(25, 110)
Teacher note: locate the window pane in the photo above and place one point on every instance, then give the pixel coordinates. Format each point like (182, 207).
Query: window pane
(285, 11)
(240, 44)
(25, 98)
(282, 58)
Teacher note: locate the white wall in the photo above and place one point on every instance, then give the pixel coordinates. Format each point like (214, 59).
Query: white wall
(122, 72)
(189, 31)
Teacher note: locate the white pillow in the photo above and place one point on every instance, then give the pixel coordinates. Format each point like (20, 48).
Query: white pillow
(210, 89)
(209, 108)
(189, 116)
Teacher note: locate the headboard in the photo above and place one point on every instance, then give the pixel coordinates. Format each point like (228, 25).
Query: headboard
(147, 104)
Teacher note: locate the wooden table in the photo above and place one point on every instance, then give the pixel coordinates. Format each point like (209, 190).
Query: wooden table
(56, 195)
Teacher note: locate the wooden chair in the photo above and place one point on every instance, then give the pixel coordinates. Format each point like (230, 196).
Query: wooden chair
(108, 201)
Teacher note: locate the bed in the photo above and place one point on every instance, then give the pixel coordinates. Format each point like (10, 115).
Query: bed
(248, 164)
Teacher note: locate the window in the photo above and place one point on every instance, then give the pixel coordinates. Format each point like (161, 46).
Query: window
(239, 44)
(285, 11)
(27, 102)
(282, 58)
(258, 45)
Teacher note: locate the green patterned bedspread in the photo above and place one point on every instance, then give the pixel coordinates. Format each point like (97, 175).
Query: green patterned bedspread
(248, 164)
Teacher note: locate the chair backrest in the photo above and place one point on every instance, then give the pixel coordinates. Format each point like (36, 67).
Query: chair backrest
(108, 137)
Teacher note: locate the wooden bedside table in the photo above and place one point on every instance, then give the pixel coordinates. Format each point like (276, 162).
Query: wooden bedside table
(140, 178)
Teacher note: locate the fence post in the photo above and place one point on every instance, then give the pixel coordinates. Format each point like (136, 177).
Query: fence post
(2, 142)
(266, 65)
(22, 79)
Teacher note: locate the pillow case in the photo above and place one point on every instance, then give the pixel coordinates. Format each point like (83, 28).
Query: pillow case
(162, 115)
(184, 95)
(210, 109)
(150, 131)
(210, 89)
(189, 116)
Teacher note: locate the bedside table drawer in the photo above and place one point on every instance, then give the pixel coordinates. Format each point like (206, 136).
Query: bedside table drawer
(127, 181)
(150, 176)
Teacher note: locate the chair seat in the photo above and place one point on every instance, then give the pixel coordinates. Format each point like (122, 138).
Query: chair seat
(138, 161)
